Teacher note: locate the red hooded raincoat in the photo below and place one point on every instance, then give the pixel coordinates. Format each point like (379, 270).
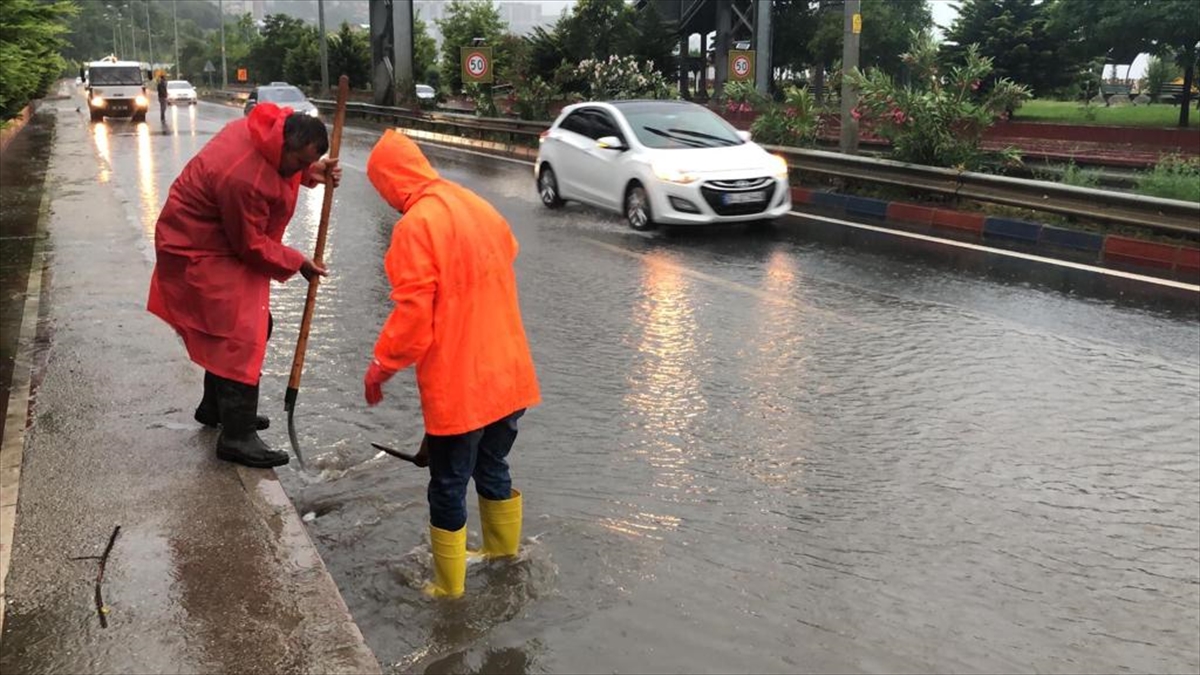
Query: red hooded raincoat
(218, 245)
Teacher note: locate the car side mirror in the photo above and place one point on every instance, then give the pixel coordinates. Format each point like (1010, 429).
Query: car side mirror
(610, 143)
(744, 135)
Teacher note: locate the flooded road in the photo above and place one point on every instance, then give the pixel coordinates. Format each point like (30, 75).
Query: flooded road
(757, 453)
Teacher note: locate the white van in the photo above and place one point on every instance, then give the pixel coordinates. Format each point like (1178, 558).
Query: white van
(116, 89)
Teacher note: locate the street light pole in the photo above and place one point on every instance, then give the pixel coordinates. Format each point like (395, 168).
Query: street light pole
(133, 34)
(175, 18)
(224, 68)
(149, 40)
(324, 48)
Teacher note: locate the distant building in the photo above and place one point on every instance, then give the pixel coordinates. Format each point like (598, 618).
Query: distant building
(255, 8)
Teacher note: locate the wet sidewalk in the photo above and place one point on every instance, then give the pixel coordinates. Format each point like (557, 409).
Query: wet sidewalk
(212, 570)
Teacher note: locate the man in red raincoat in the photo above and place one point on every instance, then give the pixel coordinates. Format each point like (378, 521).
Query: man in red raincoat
(218, 245)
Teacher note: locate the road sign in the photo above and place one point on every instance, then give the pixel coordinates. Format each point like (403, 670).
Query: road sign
(209, 67)
(741, 64)
(477, 65)
(242, 75)
(856, 24)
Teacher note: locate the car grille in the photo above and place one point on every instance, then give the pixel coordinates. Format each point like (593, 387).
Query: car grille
(715, 193)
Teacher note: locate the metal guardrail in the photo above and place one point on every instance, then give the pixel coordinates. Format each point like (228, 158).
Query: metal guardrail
(1166, 216)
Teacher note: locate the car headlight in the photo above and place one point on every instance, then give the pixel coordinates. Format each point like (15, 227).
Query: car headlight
(673, 174)
(779, 166)
(314, 113)
(140, 101)
(97, 101)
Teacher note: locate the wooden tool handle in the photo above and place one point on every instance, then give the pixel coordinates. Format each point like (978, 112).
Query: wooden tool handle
(335, 144)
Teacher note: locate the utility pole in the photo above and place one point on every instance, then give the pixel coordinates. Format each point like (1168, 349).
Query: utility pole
(133, 34)
(324, 48)
(224, 68)
(850, 47)
(114, 37)
(149, 41)
(175, 19)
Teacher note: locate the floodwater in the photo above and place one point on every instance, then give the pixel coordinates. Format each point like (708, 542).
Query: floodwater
(758, 451)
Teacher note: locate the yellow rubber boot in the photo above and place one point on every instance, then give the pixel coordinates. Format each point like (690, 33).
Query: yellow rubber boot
(501, 525)
(449, 562)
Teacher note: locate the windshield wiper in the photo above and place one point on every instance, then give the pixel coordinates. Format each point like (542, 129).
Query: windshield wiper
(700, 134)
(685, 140)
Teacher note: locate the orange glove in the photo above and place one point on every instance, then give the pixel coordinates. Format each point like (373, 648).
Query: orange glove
(373, 381)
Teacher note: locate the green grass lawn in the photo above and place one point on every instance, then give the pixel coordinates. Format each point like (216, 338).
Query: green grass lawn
(1072, 112)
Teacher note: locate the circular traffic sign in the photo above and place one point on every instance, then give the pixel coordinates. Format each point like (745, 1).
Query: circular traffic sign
(477, 64)
(741, 66)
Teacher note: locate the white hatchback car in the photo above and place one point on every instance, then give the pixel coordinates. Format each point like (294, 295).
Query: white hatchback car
(659, 162)
(180, 92)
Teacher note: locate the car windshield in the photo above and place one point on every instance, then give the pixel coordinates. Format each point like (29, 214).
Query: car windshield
(670, 126)
(281, 95)
(115, 75)
(179, 84)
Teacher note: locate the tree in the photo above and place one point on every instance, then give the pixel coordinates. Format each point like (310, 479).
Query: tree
(280, 34)
(887, 27)
(349, 54)
(597, 29)
(31, 35)
(302, 60)
(424, 52)
(1120, 29)
(466, 20)
(1159, 71)
(653, 40)
(1019, 38)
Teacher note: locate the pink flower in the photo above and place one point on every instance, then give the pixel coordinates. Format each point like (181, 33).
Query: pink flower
(855, 113)
(975, 85)
(745, 108)
(791, 112)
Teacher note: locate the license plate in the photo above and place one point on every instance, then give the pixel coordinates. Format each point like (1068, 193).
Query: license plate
(745, 197)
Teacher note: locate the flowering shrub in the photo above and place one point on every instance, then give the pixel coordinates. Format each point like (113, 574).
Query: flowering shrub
(481, 96)
(938, 119)
(530, 98)
(794, 123)
(623, 78)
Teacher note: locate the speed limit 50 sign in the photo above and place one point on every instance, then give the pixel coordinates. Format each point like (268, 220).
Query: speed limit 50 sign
(741, 64)
(477, 64)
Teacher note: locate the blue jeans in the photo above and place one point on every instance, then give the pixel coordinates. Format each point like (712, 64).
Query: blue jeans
(454, 460)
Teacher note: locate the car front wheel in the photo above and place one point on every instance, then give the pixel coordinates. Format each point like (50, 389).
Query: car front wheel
(637, 208)
(548, 188)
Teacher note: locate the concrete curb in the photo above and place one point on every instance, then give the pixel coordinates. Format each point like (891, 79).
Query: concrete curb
(213, 570)
(1169, 261)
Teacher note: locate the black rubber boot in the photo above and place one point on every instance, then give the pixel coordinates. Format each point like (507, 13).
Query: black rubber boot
(209, 414)
(239, 441)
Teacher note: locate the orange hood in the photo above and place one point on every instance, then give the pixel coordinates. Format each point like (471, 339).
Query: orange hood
(399, 171)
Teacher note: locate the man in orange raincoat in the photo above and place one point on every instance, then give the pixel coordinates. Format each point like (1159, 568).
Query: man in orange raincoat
(456, 317)
(218, 246)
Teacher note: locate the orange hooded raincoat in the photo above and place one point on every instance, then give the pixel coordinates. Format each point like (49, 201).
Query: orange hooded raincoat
(218, 245)
(456, 312)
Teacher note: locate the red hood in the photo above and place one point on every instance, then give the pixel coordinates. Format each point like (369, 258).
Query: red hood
(266, 130)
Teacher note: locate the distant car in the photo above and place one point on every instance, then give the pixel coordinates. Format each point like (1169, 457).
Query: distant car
(659, 162)
(283, 96)
(180, 92)
(426, 92)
